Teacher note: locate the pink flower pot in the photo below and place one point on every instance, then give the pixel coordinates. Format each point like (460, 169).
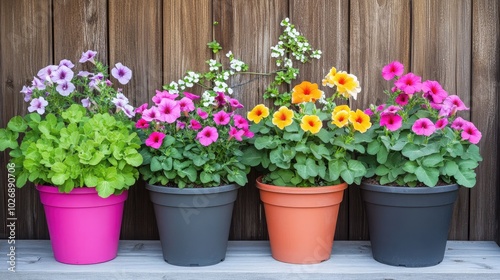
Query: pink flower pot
(84, 228)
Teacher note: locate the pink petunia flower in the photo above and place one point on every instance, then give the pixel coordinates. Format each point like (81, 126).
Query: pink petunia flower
(471, 133)
(163, 94)
(240, 122)
(203, 115)
(221, 118)
(409, 83)
(207, 135)
(122, 73)
(235, 104)
(180, 125)
(190, 95)
(391, 110)
(248, 133)
(220, 98)
(392, 69)
(458, 123)
(236, 133)
(454, 100)
(141, 108)
(186, 104)
(169, 110)
(402, 99)
(368, 111)
(155, 140)
(423, 126)
(194, 125)
(151, 114)
(391, 121)
(380, 107)
(142, 123)
(441, 123)
(38, 105)
(88, 56)
(434, 92)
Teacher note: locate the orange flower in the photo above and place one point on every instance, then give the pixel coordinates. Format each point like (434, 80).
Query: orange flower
(360, 121)
(311, 123)
(258, 113)
(341, 118)
(283, 117)
(306, 92)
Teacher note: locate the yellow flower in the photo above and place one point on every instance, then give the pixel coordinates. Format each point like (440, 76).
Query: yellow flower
(311, 123)
(360, 121)
(283, 117)
(258, 113)
(341, 108)
(347, 84)
(328, 80)
(306, 92)
(341, 118)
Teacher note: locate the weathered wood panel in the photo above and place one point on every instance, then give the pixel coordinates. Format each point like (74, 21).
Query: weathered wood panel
(484, 204)
(379, 34)
(439, 29)
(326, 25)
(135, 39)
(25, 47)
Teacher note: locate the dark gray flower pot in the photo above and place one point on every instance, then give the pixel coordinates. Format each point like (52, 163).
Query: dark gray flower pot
(193, 223)
(408, 226)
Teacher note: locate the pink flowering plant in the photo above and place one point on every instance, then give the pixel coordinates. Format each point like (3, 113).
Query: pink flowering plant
(78, 131)
(188, 144)
(417, 138)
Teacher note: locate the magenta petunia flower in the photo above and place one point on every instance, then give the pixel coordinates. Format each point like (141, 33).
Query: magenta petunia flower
(392, 70)
(221, 118)
(402, 99)
(180, 125)
(169, 110)
(236, 133)
(62, 75)
(142, 124)
(65, 88)
(191, 96)
(248, 133)
(27, 91)
(38, 84)
(392, 110)
(194, 125)
(409, 83)
(207, 135)
(220, 98)
(162, 95)
(380, 107)
(155, 140)
(66, 63)
(88, 56)
(38, 105)
(186, 104)
(368, 111)
(471, 133)
(454, 100)
(203, 115)
(47, 71)
(423, 126)
(391, 121)
(240, 122)
(441, 123)
(140, 109)
(235, 104)
(434, 92)
(458, 123)
(86, 102)
(122, 73)
(151, 114)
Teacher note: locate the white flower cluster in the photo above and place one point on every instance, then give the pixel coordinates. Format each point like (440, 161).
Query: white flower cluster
(207, 99)
(236, 64)
(187, 81)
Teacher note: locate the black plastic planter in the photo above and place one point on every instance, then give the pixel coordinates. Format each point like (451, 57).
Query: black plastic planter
(409, 226)
(193, 223)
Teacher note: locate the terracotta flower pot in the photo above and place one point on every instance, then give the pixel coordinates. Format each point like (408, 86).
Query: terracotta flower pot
(301, 221)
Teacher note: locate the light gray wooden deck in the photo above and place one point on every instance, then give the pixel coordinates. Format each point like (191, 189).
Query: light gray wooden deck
(251, 260)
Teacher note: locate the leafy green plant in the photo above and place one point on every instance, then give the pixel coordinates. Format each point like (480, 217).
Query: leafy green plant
(418, 139)
(79, 131)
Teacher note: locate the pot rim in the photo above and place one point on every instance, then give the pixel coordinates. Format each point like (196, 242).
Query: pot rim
(413, 190)
(299, 190)
(191, 191)
(76, 190)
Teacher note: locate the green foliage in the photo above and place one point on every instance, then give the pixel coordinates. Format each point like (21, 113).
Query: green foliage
(74, 150)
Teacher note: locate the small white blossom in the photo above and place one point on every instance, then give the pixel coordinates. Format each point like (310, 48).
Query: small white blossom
(230, 53)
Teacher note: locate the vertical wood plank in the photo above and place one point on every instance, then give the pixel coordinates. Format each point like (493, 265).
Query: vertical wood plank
(441, 51)
(135, 39)
(484, 202)
(326, 25)
(249, 28)
(26, 47)
(379, 34)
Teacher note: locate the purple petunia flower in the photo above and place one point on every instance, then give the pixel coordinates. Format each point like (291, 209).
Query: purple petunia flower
(128, 110)
(38, 84)
(122, 73)
(65, 88)
(38, 105)
(46, 72)
(27, 91)
(221, 118)
(86, 102)
(88, 56)
(423, 126)
(248, 133)
(62, 75)
(207, 135)
(66, 63)
(391, 110)
(94, 80)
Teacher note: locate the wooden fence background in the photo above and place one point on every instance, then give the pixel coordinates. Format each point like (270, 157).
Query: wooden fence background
(453, 41)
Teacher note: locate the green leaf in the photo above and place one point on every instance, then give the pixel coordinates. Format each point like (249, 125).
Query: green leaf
(324, 136)
(450, 168)
(265, 142)
(169, 140)
(432, 160)
(382, 155)
(17, 124)
(382, 170)
(155, 164)
(413, 151)
(373, 148)
(59, 167)
(90, 180)
(59, 178)
(428, 176)
(8, 139)
(167, 164)
(205, 177)
(348, 176)
(190, 172)
(251, 157)
(135, 159)
(104, 188)
(319, 150)
(239, 177)
(335, 167)
(466, 178)
(410, 166)
(310, 169)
